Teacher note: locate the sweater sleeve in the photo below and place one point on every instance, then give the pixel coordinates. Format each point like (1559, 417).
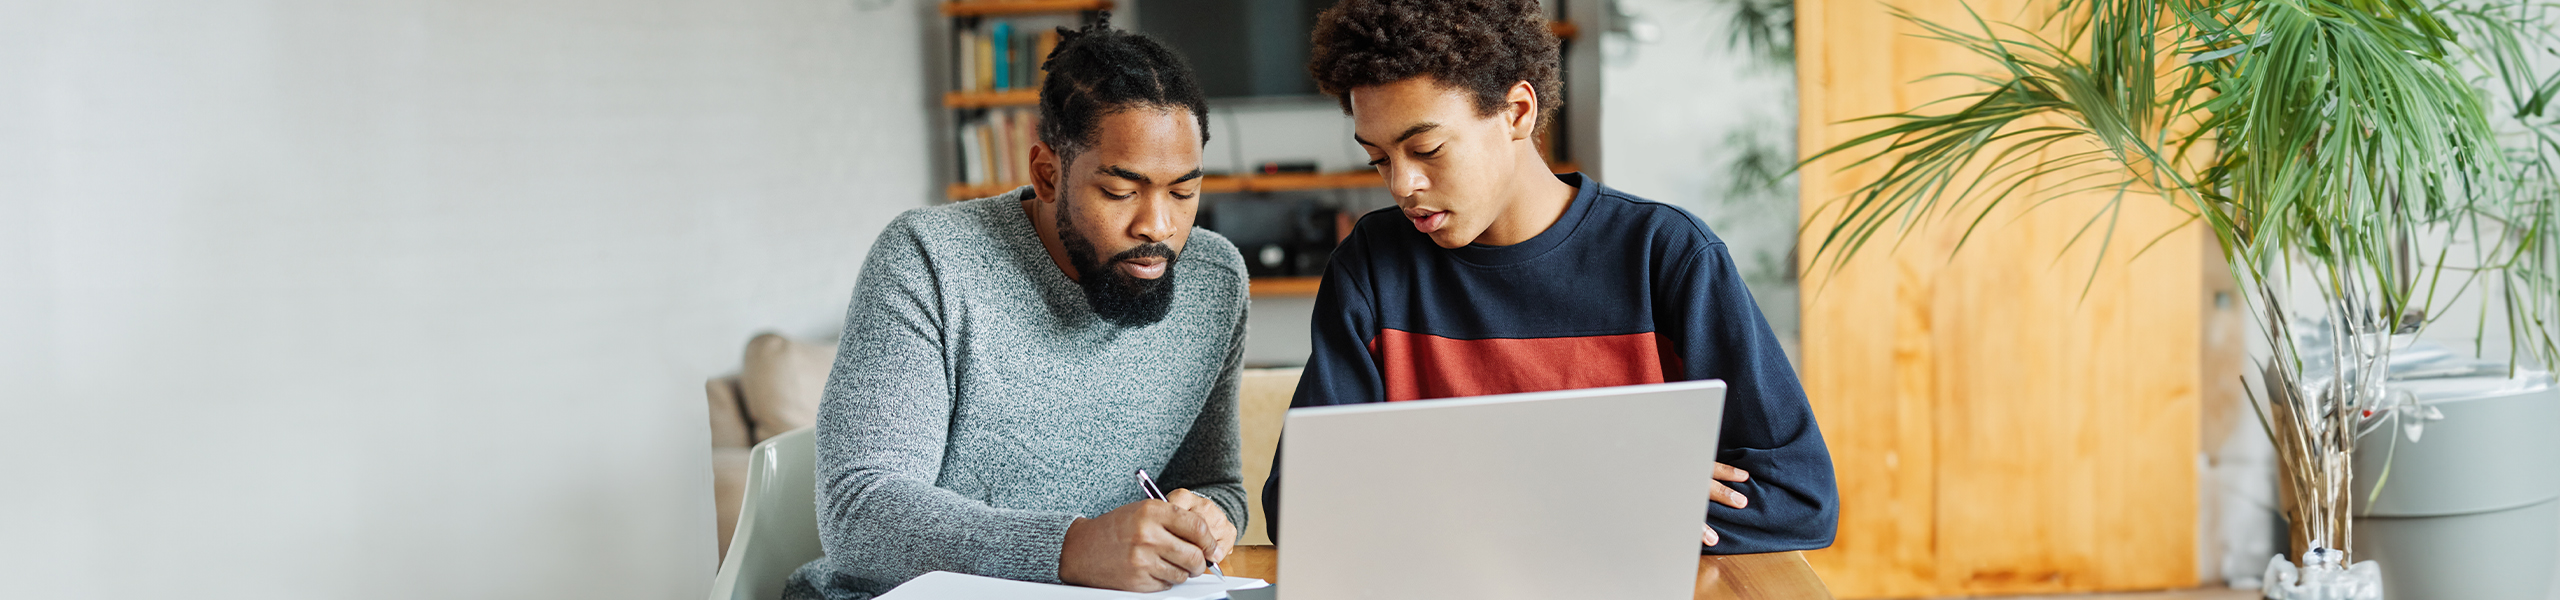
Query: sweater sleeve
(882, 428)
(1768, 430)
(1340, 369)
(1210, 461)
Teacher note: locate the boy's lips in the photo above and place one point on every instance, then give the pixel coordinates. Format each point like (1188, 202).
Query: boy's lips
(1426, 220)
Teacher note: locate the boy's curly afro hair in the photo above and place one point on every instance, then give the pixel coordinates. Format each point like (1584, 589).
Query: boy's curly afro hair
(1479, 46)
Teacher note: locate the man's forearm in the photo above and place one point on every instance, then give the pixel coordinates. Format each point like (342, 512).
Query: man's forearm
(897, 530)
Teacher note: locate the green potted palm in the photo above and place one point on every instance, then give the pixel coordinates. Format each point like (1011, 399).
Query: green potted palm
(2361, 164)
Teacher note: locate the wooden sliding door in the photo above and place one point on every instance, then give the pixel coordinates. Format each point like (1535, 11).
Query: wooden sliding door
(1995, 430)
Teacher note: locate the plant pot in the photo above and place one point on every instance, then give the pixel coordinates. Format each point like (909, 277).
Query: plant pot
(2471, 510)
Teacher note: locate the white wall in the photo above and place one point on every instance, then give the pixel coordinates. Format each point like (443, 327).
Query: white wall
(1676, 91)
(414, 298)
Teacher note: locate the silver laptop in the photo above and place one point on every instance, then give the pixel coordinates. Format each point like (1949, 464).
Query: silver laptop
(1594, 493)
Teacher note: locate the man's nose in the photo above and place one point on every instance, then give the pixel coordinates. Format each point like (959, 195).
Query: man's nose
(1155, 220)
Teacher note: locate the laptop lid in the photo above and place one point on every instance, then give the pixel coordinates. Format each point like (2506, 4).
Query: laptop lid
(1592, 493)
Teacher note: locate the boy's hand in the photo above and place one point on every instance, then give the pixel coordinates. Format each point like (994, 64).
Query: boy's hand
(1716, 491)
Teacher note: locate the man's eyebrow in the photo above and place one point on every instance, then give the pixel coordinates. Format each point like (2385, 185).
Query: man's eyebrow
(1117, 171)
(1142, 178)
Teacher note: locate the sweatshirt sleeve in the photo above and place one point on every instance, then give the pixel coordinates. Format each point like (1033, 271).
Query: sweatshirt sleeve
(882, 428)
(1340, 369)
(1768, 430)
(1210, 461)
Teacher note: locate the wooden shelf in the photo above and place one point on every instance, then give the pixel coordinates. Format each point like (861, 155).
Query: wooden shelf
(1283, 287)
(1227, 184)
(1018, 97)
(977, 8)
(1217, 184)
(1290, 182)
(1031, 96)
(962, 191)
(1564, 30)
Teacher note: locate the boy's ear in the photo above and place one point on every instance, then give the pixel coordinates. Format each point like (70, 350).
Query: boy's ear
(1520, 110)
(1044, 172)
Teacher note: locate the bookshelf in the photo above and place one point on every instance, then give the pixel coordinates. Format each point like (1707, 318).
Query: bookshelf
(1285, 287)
(981, 8)
(1217, 184)
(973, 99)
(992, 86)
(1222, 184)
(991, 118)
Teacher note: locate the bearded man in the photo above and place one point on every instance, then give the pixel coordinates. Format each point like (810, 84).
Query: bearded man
(1011, 362)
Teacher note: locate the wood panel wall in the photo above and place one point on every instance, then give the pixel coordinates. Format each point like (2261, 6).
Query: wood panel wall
(1994, 430)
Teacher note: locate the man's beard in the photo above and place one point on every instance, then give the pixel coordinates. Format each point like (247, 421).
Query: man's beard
(1115, 295)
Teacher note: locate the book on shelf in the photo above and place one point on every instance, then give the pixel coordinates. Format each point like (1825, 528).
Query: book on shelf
(1019, 125)
(1040, 56)
(965, 53)
(995, 55)
(1000, 40)
(972, 145)
(995, 146)
(1005, 152)
(986, 79)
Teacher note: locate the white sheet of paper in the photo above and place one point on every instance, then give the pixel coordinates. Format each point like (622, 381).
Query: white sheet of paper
(945, 585)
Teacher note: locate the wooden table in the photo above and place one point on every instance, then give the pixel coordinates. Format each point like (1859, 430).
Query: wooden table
(1774, 576)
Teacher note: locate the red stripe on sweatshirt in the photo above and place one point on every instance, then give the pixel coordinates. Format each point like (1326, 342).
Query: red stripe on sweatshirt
(1417, 366)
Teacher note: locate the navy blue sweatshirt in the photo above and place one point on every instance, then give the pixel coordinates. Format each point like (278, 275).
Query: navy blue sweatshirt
(1620, 291)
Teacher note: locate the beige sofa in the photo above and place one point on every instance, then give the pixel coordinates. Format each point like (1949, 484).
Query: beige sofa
(775, 390)
(780, 381)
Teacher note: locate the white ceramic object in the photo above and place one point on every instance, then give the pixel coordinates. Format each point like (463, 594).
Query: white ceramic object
(2322, 580)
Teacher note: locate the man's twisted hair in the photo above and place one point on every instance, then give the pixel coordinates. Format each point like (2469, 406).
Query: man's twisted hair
(1098, 71)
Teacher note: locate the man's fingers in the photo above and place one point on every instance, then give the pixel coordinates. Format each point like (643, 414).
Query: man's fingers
(1188, 559)
(1191, 528)
(1167, 574)
(1207, 509)
(1707, 535)
(1217, 534)
(1226, 542)
(1178, 554)
(1725, 472)
(1201, 506)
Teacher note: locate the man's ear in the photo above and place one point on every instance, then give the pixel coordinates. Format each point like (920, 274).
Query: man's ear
(1520, 110)
(1044, 172)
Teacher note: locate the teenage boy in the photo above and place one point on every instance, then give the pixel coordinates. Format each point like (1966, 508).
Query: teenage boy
(1492, 275)
(1011, 362)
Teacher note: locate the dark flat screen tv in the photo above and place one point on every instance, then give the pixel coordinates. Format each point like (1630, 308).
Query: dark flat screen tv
(1240, 49)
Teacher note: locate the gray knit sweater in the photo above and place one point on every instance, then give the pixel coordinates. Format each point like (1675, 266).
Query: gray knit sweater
(978, 405)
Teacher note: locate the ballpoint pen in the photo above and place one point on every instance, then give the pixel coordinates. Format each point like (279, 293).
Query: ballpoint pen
(1148, 485)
